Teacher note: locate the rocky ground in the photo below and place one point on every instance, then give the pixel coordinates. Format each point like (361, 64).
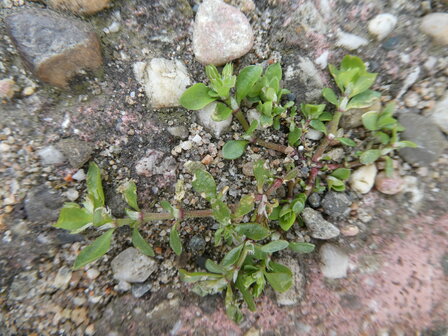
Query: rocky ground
(114, 102)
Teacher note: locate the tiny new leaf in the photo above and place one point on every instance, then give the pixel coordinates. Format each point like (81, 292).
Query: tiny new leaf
(369, 156)
(175, 242)
(233, 149)
(94, 185)
(246, 80)
(130, 195)
(246, 205)
(204, 184)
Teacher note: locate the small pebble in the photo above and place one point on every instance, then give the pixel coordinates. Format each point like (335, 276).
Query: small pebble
(389, 185)
(93, 273)
(436, 26)
(349, 230)
(72, 194)
(411, 99)
(382, 25)
(28, 91)
(7, 88)
(350, 41)
(363, 179)
(208, 159)
(79, 175)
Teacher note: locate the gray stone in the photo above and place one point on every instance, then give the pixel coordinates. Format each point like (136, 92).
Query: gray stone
(429, 139)
(319, 227)
(53, 46)
(215, 127)
(308, 18)
(334, 261)
(138, 290)
(178, 131)
(314, 200)
(382, 25)
(62, 278)
(293, 295)
(23, 286)
(436, 26)
(50, 155)
(42, 205)
(440, 114)
(353, 118)
(132, 266)
(197, 245)
(221, 33)
(336, 204)
(157, 164)
(77, 151)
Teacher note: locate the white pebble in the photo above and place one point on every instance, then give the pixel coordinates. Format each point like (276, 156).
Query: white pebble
(363, 179)
(186, 145)
(79, 175)
(334, 261)
(350, 41)
(93, 273)
(382, 25)
(322, 60)
(72, 194)
(314, 135)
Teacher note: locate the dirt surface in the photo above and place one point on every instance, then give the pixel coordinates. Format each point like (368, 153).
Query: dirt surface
(398, 269)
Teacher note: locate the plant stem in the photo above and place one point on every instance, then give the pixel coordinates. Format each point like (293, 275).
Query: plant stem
(277, 147)
(242, 119)
(155, 216)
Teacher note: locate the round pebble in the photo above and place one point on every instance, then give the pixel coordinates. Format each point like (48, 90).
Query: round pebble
(382, 25)
(349, 230)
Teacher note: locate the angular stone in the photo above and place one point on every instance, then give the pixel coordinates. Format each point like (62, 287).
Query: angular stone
(215, 127)
(42, 205)
(440, 114)
(336, 204)
(429, 139)
(334, 261)
(132, 266)
(157, 165)
(221, 33)
(50, 155)
(436, 26)
(83, 7)
(53, 46)
(353, 118)
(319, 227)
(294, 294)
(78, 152)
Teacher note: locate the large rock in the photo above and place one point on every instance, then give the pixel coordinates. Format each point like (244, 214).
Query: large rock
(77, 152)
(429, 139)
(132, 266)
(221, 33)
(53, 46)
(440, 114)
(334, 261)
(83, 7)
(336, 204)
(436, 26)
(319, 227)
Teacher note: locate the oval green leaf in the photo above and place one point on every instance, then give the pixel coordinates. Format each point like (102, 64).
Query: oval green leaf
(204, 184)
(233, 149)
(196, 97)
(246, 80)
(253, 231)
(175, 242)
(370, 156)
(301, 247)
(274, 246)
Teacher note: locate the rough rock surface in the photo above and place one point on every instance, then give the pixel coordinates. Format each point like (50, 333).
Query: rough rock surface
(53, 46)
(336, 204)
(76, 151)
(436, 26)
(132, 266)
(82, 7)
(42, 204)
(440, 114)
(221, 33)
(293, 295)
(157, 164)
(215, 127)
(334, 261)
(319, 227)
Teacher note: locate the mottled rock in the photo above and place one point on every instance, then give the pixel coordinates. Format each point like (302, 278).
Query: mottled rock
(165, 81)
(196, 245)
(334, 261)
(294, 294)
(429, 139)
(313, 134)
(307, 17)
(178, 131)
(63, 277)
(221, 33)
(350, 41)
(382, 25)
(138, 290)
(50, 155)
(440, 114)
(7, 88)
(314, 200)
(42, 205)
(436, 26)
(319, 227)
(77, 151)
(363, 179)
(389, 185)
(158, 164)
(336, 204)
(23, 286)
(215, 127)
(53, 46)
(132, 266)
(83, 7)
(349, 230)
(353, 118)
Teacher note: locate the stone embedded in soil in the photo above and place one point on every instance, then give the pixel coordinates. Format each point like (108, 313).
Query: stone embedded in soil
(334, 261)
(50, 155)
(63, 277)
(215, 127)
(53, 46)
(77, 151)
(353, 118)
(429, 139)
(23, 286)
(314, 135)
(165, 81)
(440, 114)
(7, 88)
(314, 200)
(436, 26)
(319, 227)
(197, 245)
(336, 204)
(42, 205)
(133, 266)
(350, 41)
(382, 25)
(389, 185)
(138, 290)
(158, 164)
(178, 131)
(221, 33)
(83, 7)
(363, 178)
(293, 295)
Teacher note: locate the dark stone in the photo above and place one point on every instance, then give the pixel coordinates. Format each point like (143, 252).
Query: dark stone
(429, 139)
(197, 245)
(445, 264)
(42, 205)
(64, 237)
(336, 204)
(140, 289)
(53, 46)
(391, 43)
(78, 152)
(314, 200)
(350, 301)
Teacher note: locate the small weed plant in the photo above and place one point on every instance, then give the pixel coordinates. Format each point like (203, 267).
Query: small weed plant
(254, 229)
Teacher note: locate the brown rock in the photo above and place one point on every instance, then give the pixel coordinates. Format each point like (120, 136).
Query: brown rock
(389, 185)
(53, 46)
(7, 88)
(83, 7)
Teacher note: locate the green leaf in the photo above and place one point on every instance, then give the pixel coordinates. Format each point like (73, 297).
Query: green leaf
(221, 212)
(369, 120)
(298, 203)
(294, 136)
(341, 173)
(101, 216)
(204, 184)
(253, 231)
(347, 142)
(326, 116)
(212, 72)
(246, 80)
(330, 96)
(405, 143)
(246, 205)
(352, 62)
(318, 126)
(232, 256)
(227, 71)
(130, 195)
(191, 277)
(94, 185)
(364, 82)
(279, 268)
(213, 267)
(301, 247)
(73, 218)
(364, 99)
(382, 137)
(274, 246)
(95, 250)
(273, 71)
(167, 207)
(262, 174)
(386, 121)
(232, 310)
(233, 149)
(222, 112)
(369, 156)
(253, 126)
(175, 242)
(210, 287)
(247, 296)
(281, 282)
(196, 97)
(335, 183)
(141, 244)
(287, 221)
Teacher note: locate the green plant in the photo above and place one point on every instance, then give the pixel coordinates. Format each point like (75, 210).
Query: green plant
(254, 229)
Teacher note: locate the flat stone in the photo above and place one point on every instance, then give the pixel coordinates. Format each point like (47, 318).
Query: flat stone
(77, 151)
(429, 139)
(350, 41)
(83, 7)
(53, 46)
(221, 33)
(336, 204)
(159, 165)
(63, 277)
(215, 127)
(132, 266)
(294, 294)
(334, 261)
(50, 155)
(42, 205)
(440, 114)
(23, 286)
(436, 26)
(138, 290)
(319, 227)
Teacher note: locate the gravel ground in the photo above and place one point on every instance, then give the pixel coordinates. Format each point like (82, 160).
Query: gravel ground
(397, 255)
